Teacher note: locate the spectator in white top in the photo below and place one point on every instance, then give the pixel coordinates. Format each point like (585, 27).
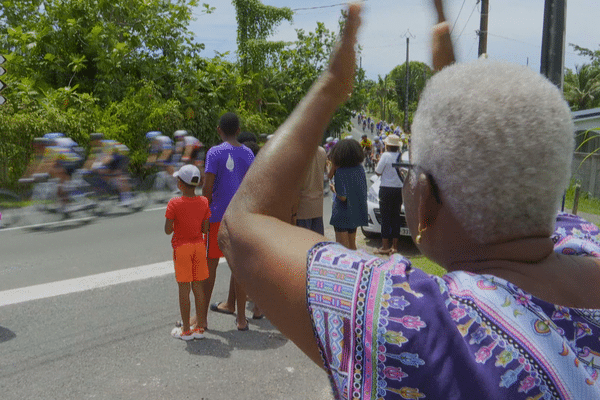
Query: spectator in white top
(390, 195)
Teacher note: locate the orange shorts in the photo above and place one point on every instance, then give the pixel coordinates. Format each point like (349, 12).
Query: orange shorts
(190, 262)
(213, 245)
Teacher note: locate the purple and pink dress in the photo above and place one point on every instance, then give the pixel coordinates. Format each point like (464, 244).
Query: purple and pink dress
(389, 331)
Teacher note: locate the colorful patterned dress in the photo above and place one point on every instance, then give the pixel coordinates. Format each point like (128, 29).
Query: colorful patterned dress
(389, 331)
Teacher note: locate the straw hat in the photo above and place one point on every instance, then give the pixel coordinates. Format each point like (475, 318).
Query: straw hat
(392, 140)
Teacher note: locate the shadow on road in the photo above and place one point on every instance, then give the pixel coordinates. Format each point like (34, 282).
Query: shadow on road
(6, 334)
(261, 336)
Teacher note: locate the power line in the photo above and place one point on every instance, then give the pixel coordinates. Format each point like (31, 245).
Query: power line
(461, 32)
(319, 7)
(461, 8)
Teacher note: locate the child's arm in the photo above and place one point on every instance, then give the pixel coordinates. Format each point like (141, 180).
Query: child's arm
(169, 226)
(207, 186)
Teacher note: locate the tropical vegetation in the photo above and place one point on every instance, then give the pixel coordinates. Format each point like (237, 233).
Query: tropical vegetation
(125, 67)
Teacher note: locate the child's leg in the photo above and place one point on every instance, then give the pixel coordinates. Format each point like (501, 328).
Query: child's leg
(198, 300)
(184, 304)
(207, 286)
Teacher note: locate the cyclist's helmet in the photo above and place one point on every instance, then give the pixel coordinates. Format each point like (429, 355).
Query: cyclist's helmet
(96, 136)
(376, 138)
(364, 136)
(180, 133)
(53, 135)
(329, 139)
(152, 134)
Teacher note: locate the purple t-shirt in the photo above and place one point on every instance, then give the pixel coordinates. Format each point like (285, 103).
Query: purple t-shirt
(229, 164)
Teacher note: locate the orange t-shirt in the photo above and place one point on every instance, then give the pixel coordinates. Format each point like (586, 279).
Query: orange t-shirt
(188, 214)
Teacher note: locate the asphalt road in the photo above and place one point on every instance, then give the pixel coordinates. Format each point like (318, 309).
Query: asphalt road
(112, 341)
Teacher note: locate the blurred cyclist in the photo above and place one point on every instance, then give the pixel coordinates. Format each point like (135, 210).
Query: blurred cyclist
(378, 147)
(160, 151)
(55, 156)
(160, 154)
(109, 160)
(367, 147)
(36, 166)
(189, 150)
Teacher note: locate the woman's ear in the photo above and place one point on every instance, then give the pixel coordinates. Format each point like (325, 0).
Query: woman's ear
(429, 204)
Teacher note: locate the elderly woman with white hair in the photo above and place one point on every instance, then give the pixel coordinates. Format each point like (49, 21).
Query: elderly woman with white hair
(517, 316)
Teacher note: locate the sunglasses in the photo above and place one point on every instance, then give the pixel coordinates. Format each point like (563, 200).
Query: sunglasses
(403, 168)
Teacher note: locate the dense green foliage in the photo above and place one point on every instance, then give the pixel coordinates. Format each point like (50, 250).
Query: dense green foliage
(124, 67)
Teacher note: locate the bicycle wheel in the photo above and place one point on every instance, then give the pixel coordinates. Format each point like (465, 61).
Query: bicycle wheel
(11, 208)
(156, 188)
(45, 206)
(140, 198)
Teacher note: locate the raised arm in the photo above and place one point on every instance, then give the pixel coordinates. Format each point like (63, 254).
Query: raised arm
(267, 254)
(442, 50)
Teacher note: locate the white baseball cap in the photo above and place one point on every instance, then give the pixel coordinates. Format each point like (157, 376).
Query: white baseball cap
(190, 174)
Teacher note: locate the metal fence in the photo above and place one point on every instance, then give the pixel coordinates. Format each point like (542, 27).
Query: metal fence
(586, 171)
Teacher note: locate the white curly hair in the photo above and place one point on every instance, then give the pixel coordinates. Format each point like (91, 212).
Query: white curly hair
(498, 140)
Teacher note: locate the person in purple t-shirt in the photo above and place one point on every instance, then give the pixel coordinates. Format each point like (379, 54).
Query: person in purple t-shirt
(226, 166)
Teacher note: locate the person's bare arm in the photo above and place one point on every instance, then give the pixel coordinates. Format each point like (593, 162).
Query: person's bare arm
(267, 255)
(207, 186)
(168, 226)
(442, 50)
(332, 169)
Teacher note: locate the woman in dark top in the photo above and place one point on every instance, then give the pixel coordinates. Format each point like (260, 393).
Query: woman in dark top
(350, 191)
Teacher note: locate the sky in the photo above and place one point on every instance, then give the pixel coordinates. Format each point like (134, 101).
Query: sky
(515, 29)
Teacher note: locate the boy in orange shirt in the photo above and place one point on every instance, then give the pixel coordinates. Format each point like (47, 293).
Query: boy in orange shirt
(187, 218)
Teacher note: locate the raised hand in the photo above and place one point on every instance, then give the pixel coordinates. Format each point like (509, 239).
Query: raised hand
(342, 66)
(441, 45)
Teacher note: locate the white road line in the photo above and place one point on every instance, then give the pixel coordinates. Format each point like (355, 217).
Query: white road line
(66, 221)
(46, 224)
(155, 209)
(36, 292)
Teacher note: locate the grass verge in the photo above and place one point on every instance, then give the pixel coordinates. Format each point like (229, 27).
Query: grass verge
(587, 203)
(425, 264)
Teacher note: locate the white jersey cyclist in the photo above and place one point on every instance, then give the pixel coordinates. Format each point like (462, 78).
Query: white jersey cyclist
(161, 143)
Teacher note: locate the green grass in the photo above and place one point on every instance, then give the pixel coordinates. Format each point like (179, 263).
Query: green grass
(587, 203)
(425, 264)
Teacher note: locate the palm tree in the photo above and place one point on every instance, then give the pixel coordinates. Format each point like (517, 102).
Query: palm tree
(582, 87)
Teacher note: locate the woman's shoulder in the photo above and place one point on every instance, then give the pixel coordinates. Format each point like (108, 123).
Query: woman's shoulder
(332, 258)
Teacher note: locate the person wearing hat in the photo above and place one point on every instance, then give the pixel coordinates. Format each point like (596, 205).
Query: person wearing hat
(390, 195)
(187, 219)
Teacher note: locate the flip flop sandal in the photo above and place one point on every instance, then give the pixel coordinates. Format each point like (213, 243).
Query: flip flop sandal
(215, 307)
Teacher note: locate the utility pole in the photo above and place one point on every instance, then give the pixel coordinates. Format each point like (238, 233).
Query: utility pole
(553, 41)
(407, 82)
(483, 27)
